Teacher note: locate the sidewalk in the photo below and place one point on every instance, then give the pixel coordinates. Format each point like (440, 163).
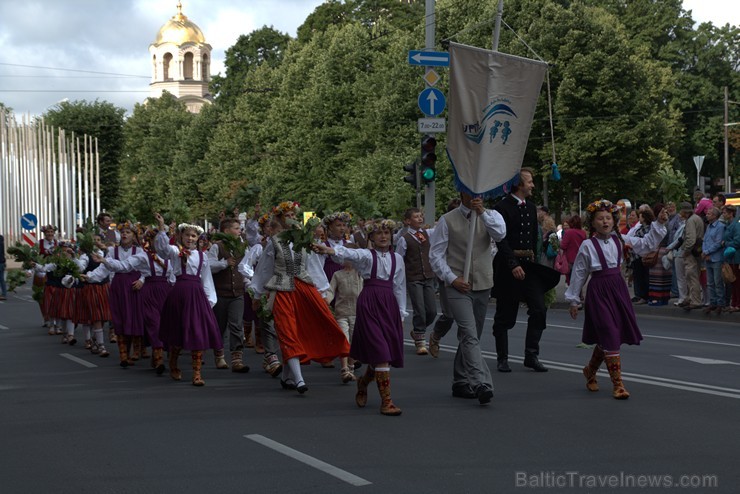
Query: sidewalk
(668, 310)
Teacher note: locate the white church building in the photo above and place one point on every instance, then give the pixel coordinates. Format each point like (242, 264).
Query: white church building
(181, 62)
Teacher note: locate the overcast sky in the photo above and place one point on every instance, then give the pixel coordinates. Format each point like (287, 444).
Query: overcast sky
(106, 36)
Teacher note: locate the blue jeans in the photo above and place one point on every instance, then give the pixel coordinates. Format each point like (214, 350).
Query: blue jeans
(715, 283)
(3, 288)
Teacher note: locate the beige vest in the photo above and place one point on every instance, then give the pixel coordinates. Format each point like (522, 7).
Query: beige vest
(481, 270)
(287, 268)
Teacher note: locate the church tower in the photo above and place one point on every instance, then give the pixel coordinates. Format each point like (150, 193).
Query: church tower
(181, 62)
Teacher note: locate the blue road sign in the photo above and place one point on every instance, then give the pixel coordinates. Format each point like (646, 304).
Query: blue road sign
(29, 221)
(429, 58)
(432, 102)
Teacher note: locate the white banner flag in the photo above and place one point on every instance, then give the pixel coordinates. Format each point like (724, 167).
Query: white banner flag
(492, 101)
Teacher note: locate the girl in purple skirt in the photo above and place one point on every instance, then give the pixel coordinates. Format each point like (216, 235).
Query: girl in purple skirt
(187, 320)
(124, 297)
(378, 336)
(609, 316)
(158, 280)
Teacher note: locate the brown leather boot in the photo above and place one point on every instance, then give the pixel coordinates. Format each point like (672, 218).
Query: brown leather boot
(175, 372)
(614, 364)
(122, 342)
(362, 384)
(197, 365)
(135, 347)
(597, 358)
(158, 360)
(383, 379)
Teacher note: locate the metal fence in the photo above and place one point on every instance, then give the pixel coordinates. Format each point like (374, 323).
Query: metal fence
(46, 172)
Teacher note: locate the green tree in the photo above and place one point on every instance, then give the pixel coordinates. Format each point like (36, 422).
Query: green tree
(101, 120)
(263, 46)
(152, 137)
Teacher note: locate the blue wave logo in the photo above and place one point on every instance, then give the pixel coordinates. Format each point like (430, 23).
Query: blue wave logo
(499, 109)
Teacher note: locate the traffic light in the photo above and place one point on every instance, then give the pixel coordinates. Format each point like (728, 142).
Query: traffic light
(411, 177)
(428, 158)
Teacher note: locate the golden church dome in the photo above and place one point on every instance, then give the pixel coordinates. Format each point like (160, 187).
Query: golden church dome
(179, 30)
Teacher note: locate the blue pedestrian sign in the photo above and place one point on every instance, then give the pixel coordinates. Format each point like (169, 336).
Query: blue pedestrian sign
(29, 221)
(429, 58)
(432, 102)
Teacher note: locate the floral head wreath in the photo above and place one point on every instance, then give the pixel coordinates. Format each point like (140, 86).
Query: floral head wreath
(343, 216)
(149, 235)
(187, 226)
(264, 219)
(602, 205)
(67, 244)
(286, 206)
(46, 228)
(127, 225)
(377, 225)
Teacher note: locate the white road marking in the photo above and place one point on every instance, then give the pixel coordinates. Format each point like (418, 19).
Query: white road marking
(3, 327)
(691, 341)
(707, 361)
(309, 460)
(626, 376)
(78, 360)
(580, 328)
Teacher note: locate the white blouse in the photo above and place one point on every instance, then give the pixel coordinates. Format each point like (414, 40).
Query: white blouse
(587, 261)
(648, 243)
(171, 252)
(266, 269)
(362, 259)
(140, 262)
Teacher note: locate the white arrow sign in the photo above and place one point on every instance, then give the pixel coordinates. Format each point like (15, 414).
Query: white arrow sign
(432, 98)
(429, 58)
(706, 361)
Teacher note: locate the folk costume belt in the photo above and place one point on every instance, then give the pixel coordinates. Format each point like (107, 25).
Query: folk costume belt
(524, 253)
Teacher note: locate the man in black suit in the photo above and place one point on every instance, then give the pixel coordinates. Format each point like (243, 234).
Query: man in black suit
(518, 277)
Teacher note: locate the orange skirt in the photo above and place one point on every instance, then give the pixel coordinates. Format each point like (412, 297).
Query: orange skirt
(306, 327)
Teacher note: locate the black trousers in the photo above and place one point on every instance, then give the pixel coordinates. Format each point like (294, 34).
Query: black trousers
(531, 291)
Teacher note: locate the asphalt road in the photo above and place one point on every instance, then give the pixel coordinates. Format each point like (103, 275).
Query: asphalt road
(72, 422)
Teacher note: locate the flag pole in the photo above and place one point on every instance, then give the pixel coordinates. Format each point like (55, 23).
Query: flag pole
(473, 214)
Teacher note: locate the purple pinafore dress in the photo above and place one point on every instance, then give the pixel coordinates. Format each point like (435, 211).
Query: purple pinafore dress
(125, 303)
(378, 335)
(330, 266)
(609, 316)
(154, 293)
(187, 319)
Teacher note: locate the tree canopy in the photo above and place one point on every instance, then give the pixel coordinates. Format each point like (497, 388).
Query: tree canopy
(329, 118)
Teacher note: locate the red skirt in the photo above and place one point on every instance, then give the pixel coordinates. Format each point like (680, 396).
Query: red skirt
(61, 303)
(306, 327)
(92, 304)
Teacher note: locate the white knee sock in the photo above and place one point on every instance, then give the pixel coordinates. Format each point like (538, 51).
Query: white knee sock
(99, 339)
(295, 369)
(70, 327)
